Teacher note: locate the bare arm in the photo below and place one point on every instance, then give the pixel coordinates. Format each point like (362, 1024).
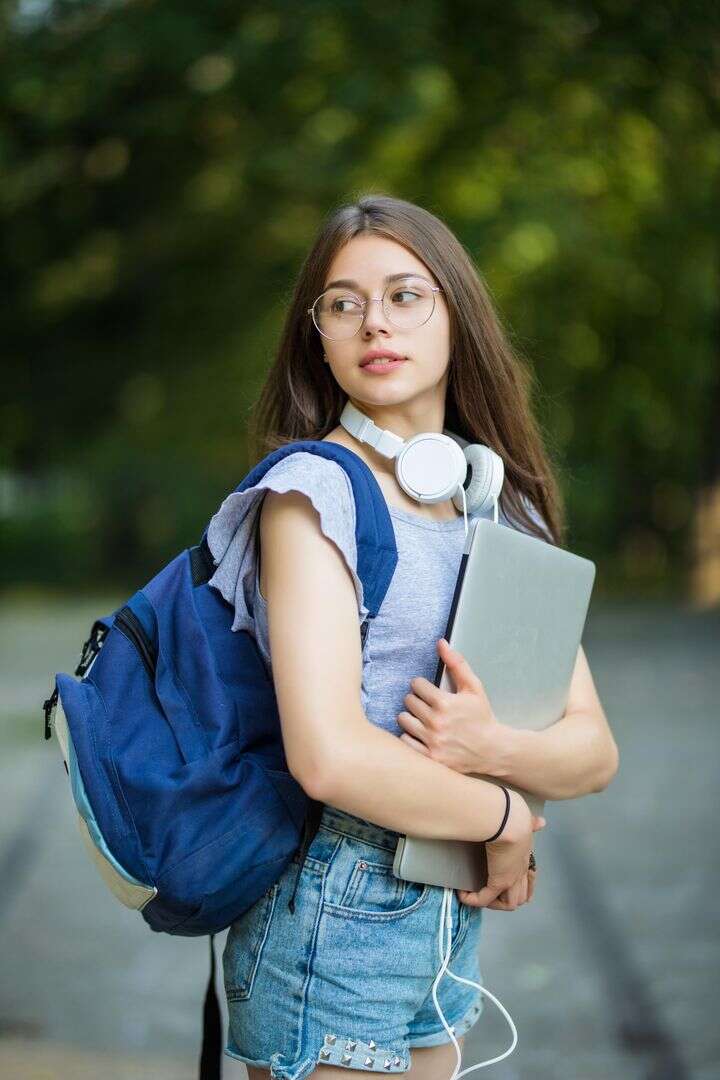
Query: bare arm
(575, 756)
(331, 747)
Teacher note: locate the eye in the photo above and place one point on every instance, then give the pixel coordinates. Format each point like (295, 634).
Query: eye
(337, 309)
(405, 292)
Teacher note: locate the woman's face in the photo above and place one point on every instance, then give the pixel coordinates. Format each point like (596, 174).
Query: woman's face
(367, 259)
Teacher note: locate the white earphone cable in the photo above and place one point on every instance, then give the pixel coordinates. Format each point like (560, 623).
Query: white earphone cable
(446, 923)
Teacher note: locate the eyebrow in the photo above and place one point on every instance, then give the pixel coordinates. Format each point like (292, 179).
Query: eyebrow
(388, 278)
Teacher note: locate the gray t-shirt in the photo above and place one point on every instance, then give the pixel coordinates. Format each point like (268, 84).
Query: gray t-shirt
(402, 639)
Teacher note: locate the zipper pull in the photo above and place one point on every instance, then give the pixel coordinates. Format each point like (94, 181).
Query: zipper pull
(91, 647)
(48, 707)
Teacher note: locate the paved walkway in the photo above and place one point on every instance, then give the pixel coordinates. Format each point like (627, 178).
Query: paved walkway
(609, 972)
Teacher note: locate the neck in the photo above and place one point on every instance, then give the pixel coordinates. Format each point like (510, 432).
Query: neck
(406, 418)
(400, 420)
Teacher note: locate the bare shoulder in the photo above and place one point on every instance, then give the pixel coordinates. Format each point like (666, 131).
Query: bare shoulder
(339, 436)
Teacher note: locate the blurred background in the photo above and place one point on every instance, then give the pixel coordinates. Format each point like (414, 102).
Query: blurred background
(164, 167)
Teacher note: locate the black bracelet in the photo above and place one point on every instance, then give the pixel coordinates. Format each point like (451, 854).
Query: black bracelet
(502, 824)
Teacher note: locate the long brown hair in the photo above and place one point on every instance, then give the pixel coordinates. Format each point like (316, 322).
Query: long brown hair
(489, 385)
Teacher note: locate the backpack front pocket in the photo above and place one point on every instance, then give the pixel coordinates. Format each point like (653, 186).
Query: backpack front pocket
(162, 689)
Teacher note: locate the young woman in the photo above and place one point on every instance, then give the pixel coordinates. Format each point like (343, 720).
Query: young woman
(343, 981)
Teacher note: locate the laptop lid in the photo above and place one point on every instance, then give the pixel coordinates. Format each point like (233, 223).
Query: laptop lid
(517, 616)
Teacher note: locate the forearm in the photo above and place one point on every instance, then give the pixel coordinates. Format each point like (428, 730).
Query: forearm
(375, 776)
(568, 759)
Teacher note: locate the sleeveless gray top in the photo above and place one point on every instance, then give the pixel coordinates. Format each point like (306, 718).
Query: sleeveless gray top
(402, 639)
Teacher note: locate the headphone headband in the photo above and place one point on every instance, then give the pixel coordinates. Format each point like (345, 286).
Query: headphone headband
(366, 431)
(385, 442)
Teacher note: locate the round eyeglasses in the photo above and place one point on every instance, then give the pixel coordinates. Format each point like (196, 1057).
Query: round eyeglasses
(338, 313)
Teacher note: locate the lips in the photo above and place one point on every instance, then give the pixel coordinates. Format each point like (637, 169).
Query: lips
(379, 355)
(381, 367)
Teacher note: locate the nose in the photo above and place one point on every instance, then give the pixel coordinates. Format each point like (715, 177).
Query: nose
(375, 317)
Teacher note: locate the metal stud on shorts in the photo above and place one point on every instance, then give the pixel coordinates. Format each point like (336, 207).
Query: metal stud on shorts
(360, 1054)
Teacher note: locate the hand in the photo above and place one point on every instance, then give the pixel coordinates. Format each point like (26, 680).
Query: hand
(510, 883)
(459, 729)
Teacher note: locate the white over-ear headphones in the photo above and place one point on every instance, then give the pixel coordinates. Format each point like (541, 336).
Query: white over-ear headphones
(431, 467)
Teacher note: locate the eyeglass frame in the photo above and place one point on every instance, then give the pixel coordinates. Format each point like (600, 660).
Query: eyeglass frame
(378, 299)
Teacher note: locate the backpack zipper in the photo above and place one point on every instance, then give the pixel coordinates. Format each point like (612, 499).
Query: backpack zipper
(130, 626)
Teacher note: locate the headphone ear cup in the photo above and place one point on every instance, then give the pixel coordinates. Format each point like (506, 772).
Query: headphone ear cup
(430, 467)
(487, 473)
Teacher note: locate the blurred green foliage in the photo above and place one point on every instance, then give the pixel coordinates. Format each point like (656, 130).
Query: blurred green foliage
(165, 166)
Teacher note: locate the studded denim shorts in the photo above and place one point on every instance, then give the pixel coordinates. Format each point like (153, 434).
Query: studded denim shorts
(347, 978)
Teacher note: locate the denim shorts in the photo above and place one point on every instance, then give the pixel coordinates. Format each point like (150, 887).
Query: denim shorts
(347, 978)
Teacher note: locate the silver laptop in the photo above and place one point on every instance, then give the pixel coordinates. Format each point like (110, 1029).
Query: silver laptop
(517, 616)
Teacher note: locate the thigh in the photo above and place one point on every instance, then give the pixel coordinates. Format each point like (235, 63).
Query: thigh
(432, 1062)
(428, 1063)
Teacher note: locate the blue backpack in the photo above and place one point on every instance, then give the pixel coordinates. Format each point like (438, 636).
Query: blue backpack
(171, 739)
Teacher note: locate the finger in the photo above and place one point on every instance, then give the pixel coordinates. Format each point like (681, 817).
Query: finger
(532, 874)
(460, 670)
(430, 693)
(487, 895)
(538, 823)
(418, 707)
(515, 893)
(415, 744)
(469, 898)
(472, 899)
(412, 725)
(499, 905)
